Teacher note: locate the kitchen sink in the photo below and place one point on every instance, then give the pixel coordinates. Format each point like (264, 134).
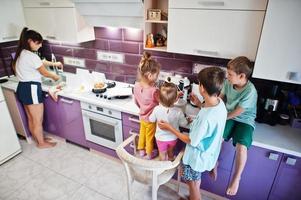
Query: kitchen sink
(50, 82)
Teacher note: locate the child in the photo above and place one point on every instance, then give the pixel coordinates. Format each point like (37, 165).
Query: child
(29, 69)
(240, 96)
(146, 98)
(166, 111)
(203, 143)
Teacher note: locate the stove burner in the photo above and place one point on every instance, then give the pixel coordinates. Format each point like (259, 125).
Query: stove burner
(111, 84)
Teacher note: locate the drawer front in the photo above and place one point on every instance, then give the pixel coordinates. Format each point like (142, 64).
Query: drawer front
(220, 4)
(131, 120)
(48, 4)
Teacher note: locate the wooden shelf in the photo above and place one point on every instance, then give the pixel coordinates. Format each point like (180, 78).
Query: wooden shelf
(155, 21)
(164, 49)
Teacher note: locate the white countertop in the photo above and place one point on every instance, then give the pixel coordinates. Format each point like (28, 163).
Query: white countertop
(277, 138)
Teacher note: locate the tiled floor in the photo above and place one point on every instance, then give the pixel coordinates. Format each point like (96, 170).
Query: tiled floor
(69, 172)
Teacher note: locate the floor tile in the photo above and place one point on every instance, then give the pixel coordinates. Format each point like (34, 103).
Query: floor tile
(109, 180)
(86, 194)
(46, 186)
(16, 173)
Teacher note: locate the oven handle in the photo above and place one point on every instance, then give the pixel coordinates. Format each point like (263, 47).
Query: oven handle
(100, 119)
(134, 120)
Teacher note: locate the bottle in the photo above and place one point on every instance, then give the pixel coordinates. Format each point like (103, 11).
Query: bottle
(186, 88)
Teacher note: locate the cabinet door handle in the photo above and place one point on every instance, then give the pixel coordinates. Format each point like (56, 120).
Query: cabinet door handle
(291, 161)
(50, 37)
(211, 3)
(131, 132)
(201, 52)
(44, 3)
(274, 156)
(66, 101)
(9, 37)
(294, 76)
(134, 120)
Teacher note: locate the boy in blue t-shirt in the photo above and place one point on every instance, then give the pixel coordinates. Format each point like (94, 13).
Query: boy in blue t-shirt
(240, 96)
(203, 143)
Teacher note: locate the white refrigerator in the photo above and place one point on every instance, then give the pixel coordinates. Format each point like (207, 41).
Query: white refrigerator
(9, 143)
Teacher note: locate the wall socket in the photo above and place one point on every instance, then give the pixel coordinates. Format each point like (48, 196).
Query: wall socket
(197, 67)
(74, 62)
(112, 57)
(162, 75)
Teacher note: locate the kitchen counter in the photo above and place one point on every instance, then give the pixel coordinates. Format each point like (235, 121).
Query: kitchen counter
(277, 138)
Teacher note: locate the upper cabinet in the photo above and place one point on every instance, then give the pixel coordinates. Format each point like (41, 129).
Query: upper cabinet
(278, 56)
(223, 29)
(11, 20)
(113, 13)
(57, 20)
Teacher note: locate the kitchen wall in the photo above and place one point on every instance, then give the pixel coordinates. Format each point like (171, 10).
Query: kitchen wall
(130, 43)
(126, 41)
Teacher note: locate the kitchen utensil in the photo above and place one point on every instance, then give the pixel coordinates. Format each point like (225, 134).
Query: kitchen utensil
(100, 90)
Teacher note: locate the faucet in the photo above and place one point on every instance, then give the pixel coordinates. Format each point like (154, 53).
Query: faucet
(56, 69)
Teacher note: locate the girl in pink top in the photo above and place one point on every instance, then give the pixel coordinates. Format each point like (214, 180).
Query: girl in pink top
(146, 97)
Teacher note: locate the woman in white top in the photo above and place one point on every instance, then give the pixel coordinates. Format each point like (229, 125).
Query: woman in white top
(29, 69)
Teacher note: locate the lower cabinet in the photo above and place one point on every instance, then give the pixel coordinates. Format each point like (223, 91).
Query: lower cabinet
(259, 174)
(287, 183)
(64, 119)
(225, 162)
(71, 121)
(130, 125)
(51, 121)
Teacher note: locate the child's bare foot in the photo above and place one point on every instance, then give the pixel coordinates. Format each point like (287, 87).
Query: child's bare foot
(48, 139)
(233, 187)
(213, 172)
(46, 145)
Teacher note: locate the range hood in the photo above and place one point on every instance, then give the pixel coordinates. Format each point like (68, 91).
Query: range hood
(115, 13)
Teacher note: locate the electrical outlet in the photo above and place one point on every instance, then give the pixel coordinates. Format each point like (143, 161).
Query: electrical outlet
(112, 57)
(74, 62)
(197, 67)
(162, 75)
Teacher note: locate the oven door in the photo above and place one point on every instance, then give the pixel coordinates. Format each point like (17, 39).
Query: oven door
(102, 130)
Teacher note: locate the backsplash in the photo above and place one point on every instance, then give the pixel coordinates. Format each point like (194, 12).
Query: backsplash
(126, 41)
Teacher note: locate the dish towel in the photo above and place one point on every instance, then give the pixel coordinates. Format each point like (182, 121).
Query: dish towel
(53, 91)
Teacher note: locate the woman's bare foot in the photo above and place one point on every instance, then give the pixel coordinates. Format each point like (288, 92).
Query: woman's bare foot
(233, 187)
(46, 144)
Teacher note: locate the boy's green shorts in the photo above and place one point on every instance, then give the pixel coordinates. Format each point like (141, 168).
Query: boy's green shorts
(239, 132)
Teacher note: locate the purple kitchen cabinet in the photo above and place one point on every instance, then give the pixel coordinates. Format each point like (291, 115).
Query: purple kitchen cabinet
(220, 185)
(225, 162)
(71, 121)
(287, 185)
(127, 132)
(130, 120)
(259, 173)
(51, 122)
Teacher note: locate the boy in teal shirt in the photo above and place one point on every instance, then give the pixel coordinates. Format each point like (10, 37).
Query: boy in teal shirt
(240, 96)
(204, 141)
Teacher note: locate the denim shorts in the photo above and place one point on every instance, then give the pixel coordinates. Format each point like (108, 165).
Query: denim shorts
(189, 174)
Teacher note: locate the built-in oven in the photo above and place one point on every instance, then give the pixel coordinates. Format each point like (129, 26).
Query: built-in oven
(102, 126)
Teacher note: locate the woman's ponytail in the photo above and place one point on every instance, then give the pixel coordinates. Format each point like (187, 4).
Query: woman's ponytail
(25, 35)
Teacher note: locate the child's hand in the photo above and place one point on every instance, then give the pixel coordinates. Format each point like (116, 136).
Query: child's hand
(164, 125)
(195, 100)
(189, 120)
